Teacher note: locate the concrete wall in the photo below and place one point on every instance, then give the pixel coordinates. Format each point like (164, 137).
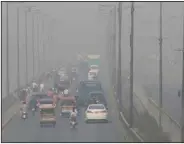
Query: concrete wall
(146, 116)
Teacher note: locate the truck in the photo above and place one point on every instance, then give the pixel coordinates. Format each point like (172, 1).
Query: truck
(94, 60)
(94, 63)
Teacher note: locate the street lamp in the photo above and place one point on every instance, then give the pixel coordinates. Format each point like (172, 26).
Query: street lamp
(26, 36)
(37, 12)
(7, 50)
(112, 49)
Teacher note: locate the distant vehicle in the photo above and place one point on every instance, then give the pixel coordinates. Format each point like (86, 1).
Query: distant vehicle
(62, 83)
(94, 59)
(36, 96)
(62, 71)
(83, 70)
(74, 72)
(92, 75)
(94, 62)
(95, 69)
(66, 105)
(96, 112)
(98, 95)
(85, 87)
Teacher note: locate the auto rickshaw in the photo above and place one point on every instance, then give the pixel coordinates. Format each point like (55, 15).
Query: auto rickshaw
(67, 104)
(47, 115)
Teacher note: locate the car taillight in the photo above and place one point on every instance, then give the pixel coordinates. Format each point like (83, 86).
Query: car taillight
(89, 112)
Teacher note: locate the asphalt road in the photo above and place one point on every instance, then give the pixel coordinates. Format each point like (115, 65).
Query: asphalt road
(30, 131)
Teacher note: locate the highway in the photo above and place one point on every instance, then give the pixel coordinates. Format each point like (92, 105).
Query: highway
(30, 131)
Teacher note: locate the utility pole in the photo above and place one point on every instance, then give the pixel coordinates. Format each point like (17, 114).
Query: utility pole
(33, 46)
(109, 41)
(119, 56)
(38, 49)
(114, 44)
(26, 46)
(182, 98)
(111, 54)
(7, 51)
(160, 67)
(131, 64)
(43, 44)
(18, 63)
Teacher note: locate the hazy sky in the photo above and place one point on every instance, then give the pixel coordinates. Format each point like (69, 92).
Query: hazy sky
(81, 27)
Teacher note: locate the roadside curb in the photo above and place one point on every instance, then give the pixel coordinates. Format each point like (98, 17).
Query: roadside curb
(9, 120)
(131, 129)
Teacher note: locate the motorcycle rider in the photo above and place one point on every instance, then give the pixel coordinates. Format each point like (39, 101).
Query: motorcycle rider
(23, 95)
(41, 87)
(29, 89)
(23, 108)
(48, 75)
(54, 90)
(33, 104)
(34, 85)
(73, 115)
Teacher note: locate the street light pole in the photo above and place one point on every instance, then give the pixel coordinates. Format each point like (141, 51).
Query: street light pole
(119, 56)
(131, 64)
(38, 49)
(160, 67)
(33, 45)
(18, 64)
(182, 98)
(114, 44)
(7, 51)
(43, 44)
(26, 47)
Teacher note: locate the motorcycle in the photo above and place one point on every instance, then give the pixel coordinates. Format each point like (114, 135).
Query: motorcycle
(33, 111)
(73, 124)
(24, 115)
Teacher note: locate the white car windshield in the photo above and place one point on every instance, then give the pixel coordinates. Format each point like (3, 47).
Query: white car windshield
(96, 107)
(94, 67)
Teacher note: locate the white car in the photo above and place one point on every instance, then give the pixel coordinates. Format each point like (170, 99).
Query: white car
(92, 75)
(94, 68)
(96, 112)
